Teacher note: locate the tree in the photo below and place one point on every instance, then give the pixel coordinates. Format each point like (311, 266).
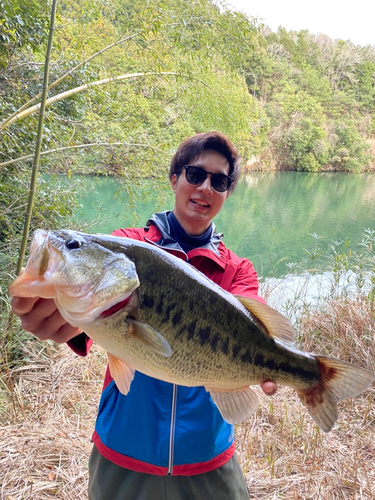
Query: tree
(349, 148)
(23, 24)
(165, 37)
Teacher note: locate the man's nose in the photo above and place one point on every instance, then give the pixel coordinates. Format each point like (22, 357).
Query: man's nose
(206, 185)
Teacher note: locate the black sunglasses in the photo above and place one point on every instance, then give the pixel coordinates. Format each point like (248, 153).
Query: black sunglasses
(197, 175)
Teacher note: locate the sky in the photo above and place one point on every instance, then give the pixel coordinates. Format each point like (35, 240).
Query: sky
(354, 20)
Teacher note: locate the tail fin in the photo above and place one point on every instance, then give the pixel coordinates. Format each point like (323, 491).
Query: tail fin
(339, 380)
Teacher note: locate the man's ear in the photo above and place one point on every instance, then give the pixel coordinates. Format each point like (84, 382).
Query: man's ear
(174, 180)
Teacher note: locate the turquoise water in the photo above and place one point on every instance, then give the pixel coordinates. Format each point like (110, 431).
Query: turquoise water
(269, 218)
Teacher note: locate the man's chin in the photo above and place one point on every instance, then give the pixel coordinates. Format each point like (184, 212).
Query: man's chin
(199, 214)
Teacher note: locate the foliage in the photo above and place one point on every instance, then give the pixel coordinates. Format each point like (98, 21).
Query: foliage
(349, 148)
(23, 24)
(315, 90)
(348, 269)
(308, 145)
(300, 99)
(191, 40)
(54, 205)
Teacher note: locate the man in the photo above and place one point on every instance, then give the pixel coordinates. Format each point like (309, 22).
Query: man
(166, 442)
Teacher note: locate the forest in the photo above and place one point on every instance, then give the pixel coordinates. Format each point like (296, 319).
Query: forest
(129, 80)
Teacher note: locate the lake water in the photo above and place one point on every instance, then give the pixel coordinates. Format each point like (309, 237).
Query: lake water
(269, 218)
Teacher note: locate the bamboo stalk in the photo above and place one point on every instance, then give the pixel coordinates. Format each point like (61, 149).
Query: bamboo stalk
(87, 86)
(5, 123)
(38, 145)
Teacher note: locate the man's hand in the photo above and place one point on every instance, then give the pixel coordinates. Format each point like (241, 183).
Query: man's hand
(42, 318)
(269, 388)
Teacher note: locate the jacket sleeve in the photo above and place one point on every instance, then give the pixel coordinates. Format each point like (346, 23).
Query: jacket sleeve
(245, 281)
(133, 233)
(81, 344)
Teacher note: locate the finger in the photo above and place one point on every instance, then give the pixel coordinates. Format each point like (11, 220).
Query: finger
(42, 310)
(42, 318)
(66, 333)
(48, 326)
(22, 305)
(269, 388)
(54, 328)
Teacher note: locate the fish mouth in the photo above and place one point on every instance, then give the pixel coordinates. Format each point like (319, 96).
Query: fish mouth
(115, 308)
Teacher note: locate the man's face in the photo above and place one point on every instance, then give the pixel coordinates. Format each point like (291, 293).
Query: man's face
(196, 206)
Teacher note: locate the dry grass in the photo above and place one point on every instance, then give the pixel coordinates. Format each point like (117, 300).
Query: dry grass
(47, 418)
(48, 409)
(284, 454)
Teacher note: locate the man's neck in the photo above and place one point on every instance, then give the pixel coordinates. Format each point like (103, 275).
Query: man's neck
(192, 229)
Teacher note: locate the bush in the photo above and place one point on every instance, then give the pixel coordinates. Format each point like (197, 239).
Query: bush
(350, 148)
(53, 208)
(307, 145)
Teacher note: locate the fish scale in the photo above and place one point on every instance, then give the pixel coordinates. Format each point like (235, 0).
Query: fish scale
(155, 313)
(258, 357)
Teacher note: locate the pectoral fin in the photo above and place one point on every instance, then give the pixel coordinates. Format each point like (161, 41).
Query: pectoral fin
(277, 326)
(150, 337)
(235, 406)
(121, 373)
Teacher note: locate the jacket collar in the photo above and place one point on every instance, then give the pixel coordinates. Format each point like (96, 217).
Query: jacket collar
(160, 220)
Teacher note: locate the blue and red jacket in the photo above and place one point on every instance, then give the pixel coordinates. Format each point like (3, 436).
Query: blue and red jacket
(161, 428)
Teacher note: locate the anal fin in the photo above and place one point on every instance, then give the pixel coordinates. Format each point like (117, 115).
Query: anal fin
(121, 373)
(235, 406)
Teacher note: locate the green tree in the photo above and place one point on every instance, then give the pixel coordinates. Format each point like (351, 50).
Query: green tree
(350, 148)
(308, 146)
(23, 24)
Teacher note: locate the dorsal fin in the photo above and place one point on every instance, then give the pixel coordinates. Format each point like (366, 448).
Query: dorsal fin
(277, 326)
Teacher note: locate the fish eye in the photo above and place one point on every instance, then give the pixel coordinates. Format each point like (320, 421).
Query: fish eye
(73, 244)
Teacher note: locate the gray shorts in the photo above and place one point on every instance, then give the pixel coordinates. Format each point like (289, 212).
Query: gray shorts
(109, 481)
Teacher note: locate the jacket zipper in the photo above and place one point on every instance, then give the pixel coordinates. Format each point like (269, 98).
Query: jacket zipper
(174, 393)
(172, 430)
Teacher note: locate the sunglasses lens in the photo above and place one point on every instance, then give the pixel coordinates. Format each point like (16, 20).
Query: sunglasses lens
(197, 175)
(220, 182)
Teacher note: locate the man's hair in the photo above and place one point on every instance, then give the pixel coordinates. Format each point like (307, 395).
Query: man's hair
(193, 146)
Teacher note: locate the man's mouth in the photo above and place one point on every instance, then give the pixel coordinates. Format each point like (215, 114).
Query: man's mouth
(200, 203)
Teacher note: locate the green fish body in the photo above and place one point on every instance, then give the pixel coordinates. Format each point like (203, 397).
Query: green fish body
(154, 313)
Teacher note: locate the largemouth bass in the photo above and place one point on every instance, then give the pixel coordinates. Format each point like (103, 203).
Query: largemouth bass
(155, 313)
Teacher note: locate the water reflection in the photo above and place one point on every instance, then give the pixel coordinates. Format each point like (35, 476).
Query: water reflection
(272, 219)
